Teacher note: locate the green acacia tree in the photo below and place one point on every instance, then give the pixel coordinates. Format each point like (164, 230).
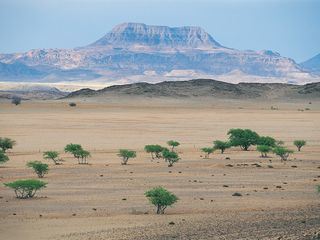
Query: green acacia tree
(243, 138)
(264, 150)
(207, 151)
(39, 168)
(267, 141)
(221, 145)
(154, 150)
(52, 155)
(78, 152)
(170, 157)
(125, 155)
(282, 152)
(299, 144)
(6, 143)
(26, 188)
(3, 157)
(173, 144)
(161, 198)
(82, 156)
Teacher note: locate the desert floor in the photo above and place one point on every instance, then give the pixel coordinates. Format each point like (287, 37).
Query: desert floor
(105, 200)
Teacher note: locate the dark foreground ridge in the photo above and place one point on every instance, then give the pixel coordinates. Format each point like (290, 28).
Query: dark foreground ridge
(205, 88)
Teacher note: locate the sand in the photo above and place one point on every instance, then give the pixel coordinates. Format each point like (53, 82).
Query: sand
(105, 200)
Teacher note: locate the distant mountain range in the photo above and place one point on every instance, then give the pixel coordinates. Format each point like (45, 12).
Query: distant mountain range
(134, 52)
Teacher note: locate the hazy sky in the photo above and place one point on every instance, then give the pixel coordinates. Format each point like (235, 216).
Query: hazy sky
(290, 27)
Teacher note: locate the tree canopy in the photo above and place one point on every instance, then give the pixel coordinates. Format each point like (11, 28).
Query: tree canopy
(161, 198)
(243, 138)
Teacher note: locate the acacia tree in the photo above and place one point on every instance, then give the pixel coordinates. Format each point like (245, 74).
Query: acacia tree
(267, 141)
(155, 150)
(207, 151)
(78, 152)
(3, 157)
(173, 144)
(52, 155)
(82, 156)
(170, 157)
(264, 150)
(299, 144)
(6, 143)
(282, 152)
(161, 198)
(126, 154)
(39, 168)
(243, 138)
(26, 188)
(221, 145)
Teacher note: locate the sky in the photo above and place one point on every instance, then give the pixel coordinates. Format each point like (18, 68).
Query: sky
(290, 27)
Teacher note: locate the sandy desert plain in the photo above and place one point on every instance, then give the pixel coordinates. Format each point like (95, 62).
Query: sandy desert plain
(105, 200)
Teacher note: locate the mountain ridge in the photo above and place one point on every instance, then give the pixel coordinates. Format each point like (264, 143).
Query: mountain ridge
(134, 52)
(198, 88)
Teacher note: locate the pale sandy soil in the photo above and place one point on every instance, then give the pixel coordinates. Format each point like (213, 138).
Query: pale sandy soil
(87, 202)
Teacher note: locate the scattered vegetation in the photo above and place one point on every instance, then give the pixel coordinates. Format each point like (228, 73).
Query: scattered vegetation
(161, 198)
(3, 157)
(299, 144)
(26, 188)
(173, 144)
(39, 168)
(207, 151)
(282, 152)
(264, 150)
(72, 104)
(126, 154)
(6, 143)
(221, 145)
(52, 155)
(16, 100)
(155, 150)
(170, 157)
(243, 138)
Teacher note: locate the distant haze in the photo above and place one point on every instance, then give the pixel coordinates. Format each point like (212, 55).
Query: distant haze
(290, 27)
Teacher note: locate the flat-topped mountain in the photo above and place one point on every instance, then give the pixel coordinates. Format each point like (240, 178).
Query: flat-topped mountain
(135, 52)
(138, 34)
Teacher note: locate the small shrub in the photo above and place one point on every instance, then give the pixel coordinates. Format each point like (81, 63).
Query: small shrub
(39, 168)
(16, 100)
(3, 157)
(221, 145)
(173, 144)
(72, 104)
(6, 143)
(318, 188)
(26, 188)
(264, 150)
(126, 154)
(207, 151)
(170, 157)
(299, 144)
(243, 138)
(155, 150)
(161, 198)
(282, 152)
(52, 155)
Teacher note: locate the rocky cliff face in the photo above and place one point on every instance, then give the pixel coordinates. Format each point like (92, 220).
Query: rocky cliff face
(158, 52)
